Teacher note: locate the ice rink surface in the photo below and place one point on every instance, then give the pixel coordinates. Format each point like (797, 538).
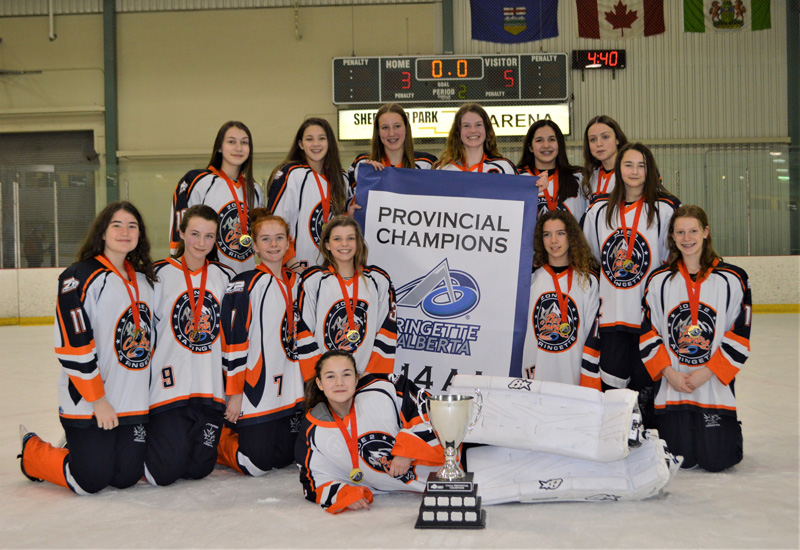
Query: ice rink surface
(753, 505)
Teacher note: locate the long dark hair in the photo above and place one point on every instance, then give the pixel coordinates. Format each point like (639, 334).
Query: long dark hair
(454, 149)
(708, 255)
(378, 151)
(198, 211)
(331, 166)
(343, 220)
(579, 254)
(314, 395)
(653, 187)
(246, 169)
(567, 182)
(95, 244)
(589, 162)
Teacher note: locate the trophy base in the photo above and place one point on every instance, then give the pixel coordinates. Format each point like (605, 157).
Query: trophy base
(451, 505)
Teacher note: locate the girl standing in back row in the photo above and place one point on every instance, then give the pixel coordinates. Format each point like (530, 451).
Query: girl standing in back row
(602, 140)
(471, 144)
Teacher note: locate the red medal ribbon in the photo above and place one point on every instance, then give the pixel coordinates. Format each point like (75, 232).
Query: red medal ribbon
(195, 306)
(287, 293)
(465, 168)
(552, 201)
(603, 179)
(326, 199)
(351, 437)
(103, 259)
(241, 206)
(562, 299)
(349, 304)
(387, 162)
(632, 239)
(693, 288)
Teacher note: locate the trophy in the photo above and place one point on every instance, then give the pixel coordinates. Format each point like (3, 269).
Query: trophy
(450, 500)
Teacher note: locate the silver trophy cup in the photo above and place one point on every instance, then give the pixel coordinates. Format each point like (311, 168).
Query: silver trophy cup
(449, 418)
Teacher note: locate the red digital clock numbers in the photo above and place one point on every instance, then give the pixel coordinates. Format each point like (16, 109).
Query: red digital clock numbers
(598, 59)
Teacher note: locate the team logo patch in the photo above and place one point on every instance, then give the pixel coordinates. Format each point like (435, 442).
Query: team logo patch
(210, 435)
(550, 484)
(442, 293)
(612, 259)
(229, 232)
(69, 285)
(546, 321)
(712, 420)
(520, 384)
(207, 325)
(139, 434)
(375, 448)
(182, 189)
(288, 340)
(132, 352)
(691, 350)
(235, 286)
(336, 326)
(315, 223)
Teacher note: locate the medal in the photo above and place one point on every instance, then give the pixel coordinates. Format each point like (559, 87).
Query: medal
(241, 206)
(353, 336)
(630, 240)
(137, 334)
(627, 265)
(285, 286)
(245, 240)
(194, 336)
(131, 282)
(694, 331)
(356, 475)
(325, 199)
(564, 329)
(195, 304)
(693, 291)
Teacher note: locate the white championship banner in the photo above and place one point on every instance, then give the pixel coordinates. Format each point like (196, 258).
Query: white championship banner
(458, 247)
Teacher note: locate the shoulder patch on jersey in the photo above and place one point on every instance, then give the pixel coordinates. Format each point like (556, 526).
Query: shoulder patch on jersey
(234, 286)
(69, 285)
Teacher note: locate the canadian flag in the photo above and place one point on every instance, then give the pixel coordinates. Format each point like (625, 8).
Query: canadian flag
(620, 19)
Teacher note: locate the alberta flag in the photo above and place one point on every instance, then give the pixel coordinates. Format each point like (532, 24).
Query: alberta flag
(620, 19)
(725, 15)
(509, 21)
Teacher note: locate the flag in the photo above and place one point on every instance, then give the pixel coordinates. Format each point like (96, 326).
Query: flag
(725, 15)
(459, 249)
(509, 21)
(621, 19)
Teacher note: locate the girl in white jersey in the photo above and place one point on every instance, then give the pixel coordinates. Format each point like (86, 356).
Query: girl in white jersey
(544, 156)
(187, 395)
(471, 144)
(627, 232)
(392, 144)
(695, 338)
(103, 338)
(602, 140)
(264, 384)
(308, 188)
(227, 186)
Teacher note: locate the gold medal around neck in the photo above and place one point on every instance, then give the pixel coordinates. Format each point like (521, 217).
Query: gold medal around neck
(246, 240)
(353, 336)
(194, 336)
(356, 475)
(137, 334)
(694, 331)
(564, 329)
(627, 265)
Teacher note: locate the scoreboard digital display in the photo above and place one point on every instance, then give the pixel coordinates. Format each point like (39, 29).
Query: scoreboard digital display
(440, 79)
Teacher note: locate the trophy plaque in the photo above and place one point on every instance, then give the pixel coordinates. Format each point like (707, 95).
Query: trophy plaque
(451, 498)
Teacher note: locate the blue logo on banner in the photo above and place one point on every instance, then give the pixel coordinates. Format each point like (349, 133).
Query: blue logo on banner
(443, 293)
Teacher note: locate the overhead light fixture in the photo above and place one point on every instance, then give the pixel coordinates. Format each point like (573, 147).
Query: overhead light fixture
(775, 153)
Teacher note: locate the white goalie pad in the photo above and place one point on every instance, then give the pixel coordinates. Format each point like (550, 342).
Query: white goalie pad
(511, 475)
(550, 417)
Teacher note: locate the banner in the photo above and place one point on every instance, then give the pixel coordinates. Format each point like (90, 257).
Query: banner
(459, 249)
(514, 21)
(618, 19)
(725, 15)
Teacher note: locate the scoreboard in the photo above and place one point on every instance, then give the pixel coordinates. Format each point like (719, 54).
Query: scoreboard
(538, 77)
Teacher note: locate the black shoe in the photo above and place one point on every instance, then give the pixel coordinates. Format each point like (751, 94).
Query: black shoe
(25, 435)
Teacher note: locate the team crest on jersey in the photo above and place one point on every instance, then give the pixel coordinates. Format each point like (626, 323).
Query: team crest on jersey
(691, 350)
(288, 339)
(207, 325)
(132, 352)
(69, 285)
(375, 448)
(543, 208)
(442, 293)
(547, 322)
(337, 325)
(229, 232)
(614, 253)
(315, 223)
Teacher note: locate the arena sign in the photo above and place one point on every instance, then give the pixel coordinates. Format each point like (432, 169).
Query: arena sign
(435, 122)
(459, 249)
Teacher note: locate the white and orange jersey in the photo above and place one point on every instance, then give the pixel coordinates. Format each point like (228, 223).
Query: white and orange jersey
(388, 424)
(722, 343)
(97, 344)
(602, 182)
(422, 161)
(621, 290)
(186, 367)
(208, 187)
(571, 356)
(324, 319)
(298, 195)
(489, 165)
(258, 347)
(574, 205)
